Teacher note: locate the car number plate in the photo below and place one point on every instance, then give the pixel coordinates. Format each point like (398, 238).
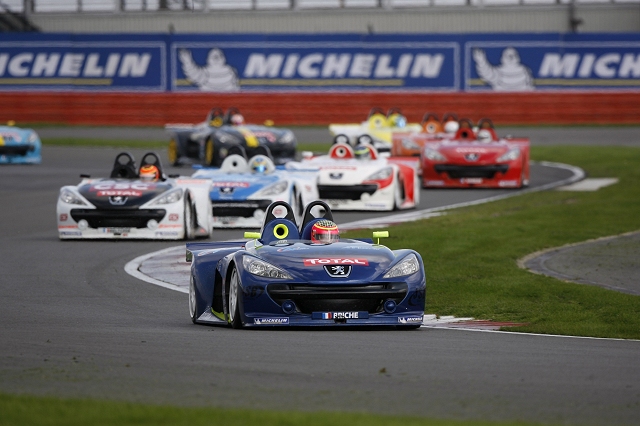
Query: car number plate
(340, 315)
(118, 231)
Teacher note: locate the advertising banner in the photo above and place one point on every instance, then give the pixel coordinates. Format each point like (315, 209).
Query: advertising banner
(230, 63)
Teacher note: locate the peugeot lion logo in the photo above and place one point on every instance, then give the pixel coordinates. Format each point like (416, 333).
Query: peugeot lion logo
(338, 270)
(472, 156)
(226, 190)
(118, 200)
(335, 175)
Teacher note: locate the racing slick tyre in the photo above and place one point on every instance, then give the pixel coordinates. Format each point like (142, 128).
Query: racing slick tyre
(365, 140)
(341, 138)
(399, 193)
(234, 300)
(297, 204)
(524, 182)
(193, 302)
(208, 152)
(189, 219)
(172, 152)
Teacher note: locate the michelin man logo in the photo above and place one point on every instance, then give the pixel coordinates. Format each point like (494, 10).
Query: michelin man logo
(215, 76)
(509, 76)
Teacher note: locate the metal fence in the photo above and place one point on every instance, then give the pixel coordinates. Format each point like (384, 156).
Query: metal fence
(79, 6)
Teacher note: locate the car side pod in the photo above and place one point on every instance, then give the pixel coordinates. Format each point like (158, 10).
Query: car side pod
(380, 234)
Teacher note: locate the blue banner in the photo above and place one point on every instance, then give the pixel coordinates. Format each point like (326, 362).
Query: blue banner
(328, 62)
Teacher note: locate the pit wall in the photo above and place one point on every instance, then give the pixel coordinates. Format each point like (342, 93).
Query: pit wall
(153, 79)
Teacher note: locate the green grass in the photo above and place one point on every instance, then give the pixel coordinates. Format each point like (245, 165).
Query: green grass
(470, 254)
(42, 411)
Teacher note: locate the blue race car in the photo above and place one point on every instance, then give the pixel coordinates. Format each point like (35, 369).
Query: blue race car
(242, 189)
(304, 276)
(19, 146)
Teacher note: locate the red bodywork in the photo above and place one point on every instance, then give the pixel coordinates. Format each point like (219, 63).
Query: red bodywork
(464, 163)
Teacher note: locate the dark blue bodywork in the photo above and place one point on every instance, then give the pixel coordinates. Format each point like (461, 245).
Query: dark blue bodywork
(336, 284)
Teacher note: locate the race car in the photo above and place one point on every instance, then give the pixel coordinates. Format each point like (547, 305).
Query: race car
(410, 143)
(209, 142)
(377, 130)
(242, 189)
(289, 275)
(19, 146)
(134, 204)
(360, 179)
(473, 159)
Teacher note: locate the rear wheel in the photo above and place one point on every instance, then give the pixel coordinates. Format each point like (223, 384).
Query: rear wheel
(234, 300)
(208, 152)
(172, 153)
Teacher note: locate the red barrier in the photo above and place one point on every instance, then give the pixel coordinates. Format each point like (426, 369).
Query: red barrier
(142, 109)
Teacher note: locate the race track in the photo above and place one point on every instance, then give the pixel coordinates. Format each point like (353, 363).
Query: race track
(75, 324)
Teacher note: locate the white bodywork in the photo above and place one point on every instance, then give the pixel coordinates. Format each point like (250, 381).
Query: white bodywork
(348, 174)
(171, 227)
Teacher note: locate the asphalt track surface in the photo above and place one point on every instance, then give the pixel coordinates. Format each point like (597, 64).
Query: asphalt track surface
(74, 324)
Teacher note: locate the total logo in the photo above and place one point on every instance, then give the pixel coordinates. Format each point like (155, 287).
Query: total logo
(336, 261)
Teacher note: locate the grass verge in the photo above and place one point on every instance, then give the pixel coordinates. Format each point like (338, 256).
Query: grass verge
(43, 411)
(470, 254)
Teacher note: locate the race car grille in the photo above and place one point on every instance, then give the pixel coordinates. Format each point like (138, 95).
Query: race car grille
(486, 172)
(15, 149)
(98, 218)
(352, 192)
(313, 298)
(238, 208)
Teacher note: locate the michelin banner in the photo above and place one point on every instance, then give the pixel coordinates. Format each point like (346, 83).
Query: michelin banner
(343, 62)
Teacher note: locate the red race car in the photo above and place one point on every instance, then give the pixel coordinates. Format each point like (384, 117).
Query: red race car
(475, 158)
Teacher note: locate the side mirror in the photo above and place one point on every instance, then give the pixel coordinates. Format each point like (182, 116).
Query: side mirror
(189, 256)
(252, 235)
(380, 234)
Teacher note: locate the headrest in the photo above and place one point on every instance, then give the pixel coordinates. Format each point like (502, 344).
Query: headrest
(234, 163)
(124, 167)
(341, 151)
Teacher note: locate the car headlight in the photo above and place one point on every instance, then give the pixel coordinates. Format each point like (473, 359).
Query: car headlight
(433, 155)
(409, 265)
(170, 197)
(276, 188)
(227, 138)
(263, 269)
(33, 138)
(510, 155)
(381, 174)
(69, 197)
(288, 137)
(409, 144)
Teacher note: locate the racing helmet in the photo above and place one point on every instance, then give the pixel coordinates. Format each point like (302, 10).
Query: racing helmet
(362, 152)
(149, 173)
(485, 136)
(237, 119)
(258, 164)
(451, 127)
(324, 231)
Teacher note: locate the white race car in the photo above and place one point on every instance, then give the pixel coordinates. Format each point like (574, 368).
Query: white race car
(347, 182)
(126, 206)
(243, 189)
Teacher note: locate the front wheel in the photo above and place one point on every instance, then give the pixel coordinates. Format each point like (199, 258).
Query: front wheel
(193, 304)
(172, 153)
(399, 193)
(234, 300)
(208, 152)
(189, 220)
(365, 140)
